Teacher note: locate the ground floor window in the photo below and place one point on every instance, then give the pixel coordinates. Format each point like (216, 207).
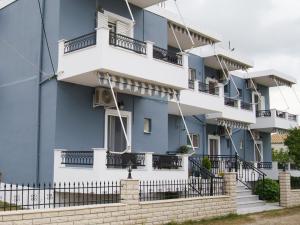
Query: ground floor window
(213, 145)
(195, 139)
(115, 139)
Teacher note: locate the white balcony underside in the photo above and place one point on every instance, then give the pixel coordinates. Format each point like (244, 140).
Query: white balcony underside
(81, 66)
(196, 103)
(270, 124)
(234, 114)
(145, 4)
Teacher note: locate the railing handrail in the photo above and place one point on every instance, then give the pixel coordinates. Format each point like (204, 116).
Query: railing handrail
(80, 42)
(201, 168)
(133, 159)
(167, 55)
(251, 165)
(77, 158)
(128, 43)
(246, 105)
(231, 102)
(203, 87)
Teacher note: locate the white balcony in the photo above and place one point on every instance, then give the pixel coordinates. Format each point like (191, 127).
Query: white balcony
(199, 99)
(274, 120)
(80, 60)
(234, 110)
(145, 4)
(98, 165)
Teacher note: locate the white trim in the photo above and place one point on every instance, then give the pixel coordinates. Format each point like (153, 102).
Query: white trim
(125, 114)
(214, 137)
(4, 3)
(256, 144)
(115, 17)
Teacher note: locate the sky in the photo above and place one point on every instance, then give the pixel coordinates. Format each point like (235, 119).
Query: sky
(266, 31)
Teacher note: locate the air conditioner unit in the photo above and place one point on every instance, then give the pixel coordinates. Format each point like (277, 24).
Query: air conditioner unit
(251, 85)
(256, 135)
(103, 97)
(223, 132)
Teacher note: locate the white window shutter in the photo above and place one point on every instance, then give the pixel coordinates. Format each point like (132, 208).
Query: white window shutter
(123, 28)
(102, 20)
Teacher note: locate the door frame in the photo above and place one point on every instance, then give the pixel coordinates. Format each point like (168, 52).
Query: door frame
(124, 114)
(262, 150)
(262, 103)
(214, 137)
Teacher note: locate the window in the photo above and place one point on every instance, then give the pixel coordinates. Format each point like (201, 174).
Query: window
(240, 93)
(192, 78)
(192, 74)
(226, 89)
(195, 140)
(147, 126)
(112, 27)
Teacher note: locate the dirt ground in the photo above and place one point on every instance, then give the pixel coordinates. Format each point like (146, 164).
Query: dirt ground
(289, 216)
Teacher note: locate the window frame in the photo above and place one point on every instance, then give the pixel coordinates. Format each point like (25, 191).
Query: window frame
(192, 137)
(149, 126)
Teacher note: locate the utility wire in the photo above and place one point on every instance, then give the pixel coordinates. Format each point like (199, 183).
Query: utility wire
(45, 34)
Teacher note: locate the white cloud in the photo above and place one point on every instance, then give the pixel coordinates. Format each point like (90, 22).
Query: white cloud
(267, 31)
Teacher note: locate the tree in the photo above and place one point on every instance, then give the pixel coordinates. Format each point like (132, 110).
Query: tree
(281, 156)
(293, 143)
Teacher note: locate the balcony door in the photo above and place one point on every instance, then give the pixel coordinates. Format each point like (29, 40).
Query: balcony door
(258, 152)
(261, 102)
(213, 145)
(115, 140)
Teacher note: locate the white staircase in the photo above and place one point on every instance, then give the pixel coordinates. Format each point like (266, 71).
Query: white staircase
(249, 203)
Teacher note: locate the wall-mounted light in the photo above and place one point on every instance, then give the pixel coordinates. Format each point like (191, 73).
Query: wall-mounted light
(121, 105)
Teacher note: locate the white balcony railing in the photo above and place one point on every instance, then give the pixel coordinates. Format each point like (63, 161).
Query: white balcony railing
(80, 59)
(98, 165)
(270, 120)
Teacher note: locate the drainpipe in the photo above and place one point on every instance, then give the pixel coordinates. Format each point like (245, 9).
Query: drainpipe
(38, 122)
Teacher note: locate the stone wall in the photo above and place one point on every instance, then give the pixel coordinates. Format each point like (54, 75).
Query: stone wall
(288, 197)
(131, 210)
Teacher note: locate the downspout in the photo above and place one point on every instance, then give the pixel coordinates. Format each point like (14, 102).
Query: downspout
(38, 122)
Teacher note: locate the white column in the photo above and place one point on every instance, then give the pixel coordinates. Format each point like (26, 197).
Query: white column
(102, 20)
(102, 36)
(61, 52)
(239, 104)
(150, 45)
(148, 161)
(185, 61)
(221, 89)
(57, 164)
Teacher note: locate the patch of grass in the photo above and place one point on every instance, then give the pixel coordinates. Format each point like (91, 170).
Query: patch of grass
(230, 219)
(280, 212)
(7, 206)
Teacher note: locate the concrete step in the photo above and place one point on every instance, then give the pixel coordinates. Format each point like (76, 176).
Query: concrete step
(244, 192)
(266, 207)
(250, 204)
(247, 198)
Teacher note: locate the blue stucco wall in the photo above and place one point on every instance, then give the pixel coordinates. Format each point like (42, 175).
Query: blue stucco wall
(21, 54)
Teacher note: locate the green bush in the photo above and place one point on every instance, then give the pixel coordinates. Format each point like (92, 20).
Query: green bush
(206, 163)
(269, 191)
(183, 149)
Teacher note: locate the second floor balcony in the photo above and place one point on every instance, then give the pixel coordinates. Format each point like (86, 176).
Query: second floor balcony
(200, 98)
(234, 110)
(104, 51)
(273, 120)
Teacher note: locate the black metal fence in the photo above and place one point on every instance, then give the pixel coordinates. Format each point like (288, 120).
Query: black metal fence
(265, 165)
(128, 43)
(231, 102)
(203, 87)
(173, 189)
(125, 160)
(166, 161)
(80, 158)
(292, 117)
(295, 182)
(263, 113)
(246, 106)
(45, 196)
(191, 84)
(80, 42)
(167, 55)
(281, 114)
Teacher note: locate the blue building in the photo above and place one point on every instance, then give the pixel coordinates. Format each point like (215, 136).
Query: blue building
(71, 69)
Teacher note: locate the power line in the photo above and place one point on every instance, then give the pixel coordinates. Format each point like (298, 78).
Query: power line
(45, 34)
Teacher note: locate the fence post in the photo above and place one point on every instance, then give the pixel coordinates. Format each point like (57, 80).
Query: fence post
(230, 184)
(130, 191)
(285, 188)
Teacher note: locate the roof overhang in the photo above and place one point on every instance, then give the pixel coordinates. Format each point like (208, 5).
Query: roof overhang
(229, 60)
(270, 78)
(199, 37)
(145, 3)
